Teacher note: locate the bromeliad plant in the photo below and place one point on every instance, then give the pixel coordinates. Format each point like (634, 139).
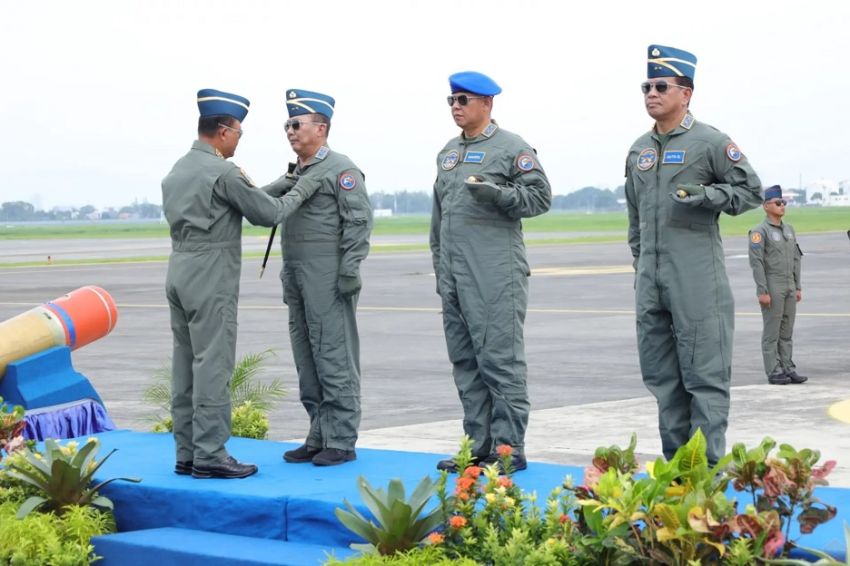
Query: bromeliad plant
(62, 474)
(11, 428)
(400, 526)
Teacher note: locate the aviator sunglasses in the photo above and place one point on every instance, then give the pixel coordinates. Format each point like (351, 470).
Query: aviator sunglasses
(462, 99)
(779, 202)
(295, 124)
(660, 87)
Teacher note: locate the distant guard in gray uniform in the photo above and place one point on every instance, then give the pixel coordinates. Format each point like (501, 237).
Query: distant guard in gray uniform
(775, 258)
(679, 177)
(323, 245)
(488, 179)
(204, 199)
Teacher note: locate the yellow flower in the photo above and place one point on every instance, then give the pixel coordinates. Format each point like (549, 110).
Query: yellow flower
(38, 456)
(509, 501)
(501, 490)
(490, 497)
(72, 446)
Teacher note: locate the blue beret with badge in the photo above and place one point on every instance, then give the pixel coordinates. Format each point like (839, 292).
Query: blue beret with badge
(300, 102)
(474, 82)
(665, 61)
(212, 102)
(773, 192)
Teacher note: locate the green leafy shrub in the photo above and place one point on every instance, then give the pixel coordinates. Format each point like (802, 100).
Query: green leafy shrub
(400, 526)
(250, 398)
(62, 476)
(426, 556)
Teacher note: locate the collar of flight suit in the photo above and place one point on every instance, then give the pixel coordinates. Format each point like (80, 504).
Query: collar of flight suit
(318, 157)
(488, 133)
(204, 146)
(685, 125)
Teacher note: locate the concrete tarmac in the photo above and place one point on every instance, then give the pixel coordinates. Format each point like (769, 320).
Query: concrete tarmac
(584, 380)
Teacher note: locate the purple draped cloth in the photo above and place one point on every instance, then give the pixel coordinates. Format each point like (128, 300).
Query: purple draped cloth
(68, 420)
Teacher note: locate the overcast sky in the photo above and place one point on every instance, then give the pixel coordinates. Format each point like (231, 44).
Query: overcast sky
(99, 96)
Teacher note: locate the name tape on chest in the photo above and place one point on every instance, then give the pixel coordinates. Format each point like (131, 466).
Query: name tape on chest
(474, 157)
(675, 157)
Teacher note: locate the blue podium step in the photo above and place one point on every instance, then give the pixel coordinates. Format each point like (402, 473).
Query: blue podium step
(186, 547)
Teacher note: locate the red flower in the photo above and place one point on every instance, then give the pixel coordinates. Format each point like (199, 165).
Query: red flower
(504, 450)
(462, 495)
(563, 519)
(436, 538)
(457, 522)
(472, 472)
(505, 482)
(465, 483)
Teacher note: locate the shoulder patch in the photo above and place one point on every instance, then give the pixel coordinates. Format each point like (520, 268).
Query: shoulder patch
(755, 237)
(347, 181)
(450, 160)
(733, 153)
(525, 162)
(247, 178)
(647, 158)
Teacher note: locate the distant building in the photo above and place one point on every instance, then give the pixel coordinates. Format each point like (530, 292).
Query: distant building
(832, 192)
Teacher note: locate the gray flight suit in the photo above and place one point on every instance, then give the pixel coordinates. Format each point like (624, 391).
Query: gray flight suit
(204, 198)
(775, 258)
(325, 239)
(482, 277)
(684, 305)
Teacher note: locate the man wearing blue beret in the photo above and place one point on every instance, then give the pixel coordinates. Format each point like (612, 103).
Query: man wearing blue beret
(204, 199)
(323, 245)
(775, 259)
(488, 179)
(680, 176)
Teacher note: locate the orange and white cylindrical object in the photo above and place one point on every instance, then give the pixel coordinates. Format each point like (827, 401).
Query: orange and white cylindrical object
(74, 320)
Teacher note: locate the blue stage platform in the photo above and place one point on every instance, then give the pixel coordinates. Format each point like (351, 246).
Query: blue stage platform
(295, 502)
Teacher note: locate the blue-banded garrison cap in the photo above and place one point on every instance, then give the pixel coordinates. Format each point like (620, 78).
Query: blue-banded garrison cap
(773, 192)
(475, 83)
(670, 62)
(299, 102)
(213, 102)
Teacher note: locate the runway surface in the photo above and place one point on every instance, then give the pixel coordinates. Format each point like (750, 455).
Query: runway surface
(584, 380)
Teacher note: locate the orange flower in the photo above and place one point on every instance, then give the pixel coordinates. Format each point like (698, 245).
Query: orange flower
(504, 450)
(436, 538)
(472, 472)
(462, 495)
(457, 522)
(563, 519)
(505, 481)
(464, 483)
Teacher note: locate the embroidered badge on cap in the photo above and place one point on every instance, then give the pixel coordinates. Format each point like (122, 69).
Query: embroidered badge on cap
(674, 157)
(525, 162)
(450, 160)
(646, 159)
(347, 181)
(755, 237)
(733, 153)
(474, 157)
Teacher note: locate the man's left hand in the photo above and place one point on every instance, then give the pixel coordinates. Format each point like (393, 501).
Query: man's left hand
(688, 194)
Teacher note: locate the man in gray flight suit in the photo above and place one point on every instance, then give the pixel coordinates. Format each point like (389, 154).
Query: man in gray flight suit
(488, 179)
(775, 258)
(679, 177)
(323, 245)
(204, 199)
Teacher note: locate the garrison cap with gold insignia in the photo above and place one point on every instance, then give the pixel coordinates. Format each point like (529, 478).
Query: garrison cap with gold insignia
(474, 82)
(665, 61)
(300, 102)
(213, 102)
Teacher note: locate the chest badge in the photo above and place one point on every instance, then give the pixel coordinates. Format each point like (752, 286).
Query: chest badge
(646, 159)
(474, 157)
(674, 157)
(450, 160)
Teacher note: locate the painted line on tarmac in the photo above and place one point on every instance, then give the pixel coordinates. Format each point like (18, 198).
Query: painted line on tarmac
(840, 411)
(591, 270)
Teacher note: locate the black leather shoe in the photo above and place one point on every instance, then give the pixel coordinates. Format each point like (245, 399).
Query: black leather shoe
(301, 455)
(778, 379)
(796, 377)
(228, 469)
(518, 462)
(333, 457)
(450, 466)
(183, 468)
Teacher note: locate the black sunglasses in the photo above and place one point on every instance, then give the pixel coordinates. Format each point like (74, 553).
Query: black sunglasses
(295, 124)
(660, 87)
(781, 202)
(462, 99)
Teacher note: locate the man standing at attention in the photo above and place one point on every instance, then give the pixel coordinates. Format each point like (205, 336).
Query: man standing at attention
(775, 258)
(679, 177)
(488, 179)
(323, 245)
(204, 199)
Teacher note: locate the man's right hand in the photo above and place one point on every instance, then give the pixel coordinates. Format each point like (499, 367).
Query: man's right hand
(764, 300)
(306, 187)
